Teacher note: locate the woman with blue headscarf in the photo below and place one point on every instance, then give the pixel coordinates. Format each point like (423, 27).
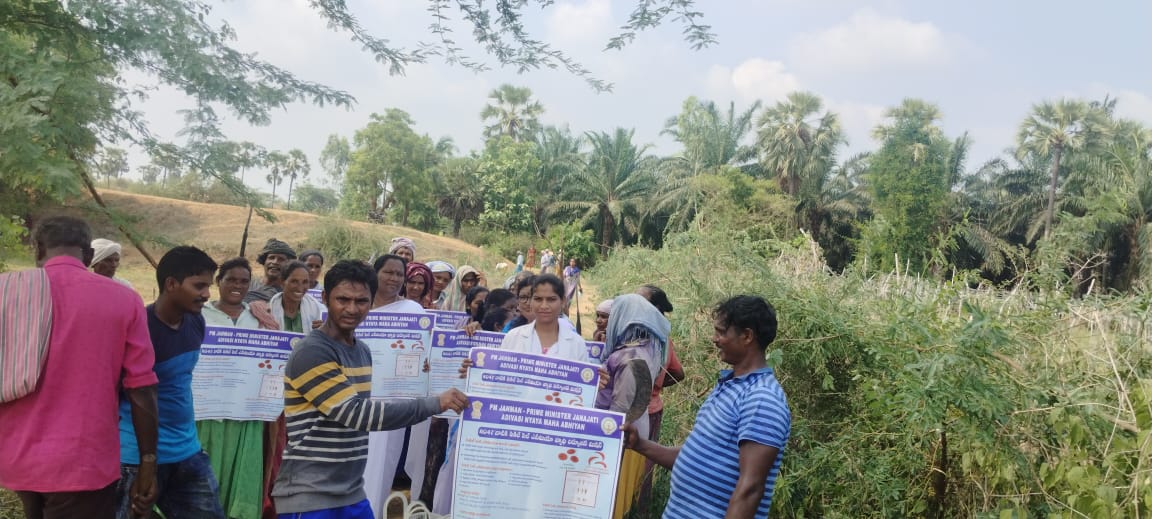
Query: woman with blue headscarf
(635, 350)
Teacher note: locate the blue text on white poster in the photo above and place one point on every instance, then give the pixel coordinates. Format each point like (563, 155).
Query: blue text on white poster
(399, 345)
(240, 375)
(535, 378)
(449, 349)
(449, 319)
(520, 460)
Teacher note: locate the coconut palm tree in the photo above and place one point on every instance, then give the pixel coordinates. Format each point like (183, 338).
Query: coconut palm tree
(512, 113)
(560, 156)
(457, 196)
(610, 189)
(797, 143)
(1054, 128)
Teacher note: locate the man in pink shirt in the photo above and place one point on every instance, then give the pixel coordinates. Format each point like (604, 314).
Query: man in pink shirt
(61, 446)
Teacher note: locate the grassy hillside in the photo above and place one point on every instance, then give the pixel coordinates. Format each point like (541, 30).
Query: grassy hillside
(218, 228)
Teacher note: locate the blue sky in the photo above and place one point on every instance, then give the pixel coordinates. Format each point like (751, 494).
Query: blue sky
(984, 63)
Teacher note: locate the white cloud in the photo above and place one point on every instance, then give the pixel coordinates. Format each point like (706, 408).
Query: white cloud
(857, 120)
(869, 40)
(754, 79)
(587, 22)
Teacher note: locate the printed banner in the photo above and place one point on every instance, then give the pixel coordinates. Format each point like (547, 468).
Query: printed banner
(240, 375)
(399, 344)
(594, 351)
(449, 319)
(527, 460)
(449, 349)
(534, 378)
(318, 294)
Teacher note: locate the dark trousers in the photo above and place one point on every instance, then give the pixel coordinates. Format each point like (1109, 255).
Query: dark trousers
(97, 504)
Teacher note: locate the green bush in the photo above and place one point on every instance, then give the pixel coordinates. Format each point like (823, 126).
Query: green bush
(340, 241)
(912, 398)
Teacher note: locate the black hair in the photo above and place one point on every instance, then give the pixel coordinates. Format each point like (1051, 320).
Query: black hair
(473, 293)
(379, 264)
(496, 299)
(549, 279)
(238, 262)
(749, 313)
(309, 253)
(527, 281)
(658, 298)
(353, 271)
(62, 231)
(181, 263)
(291, 267)
(493, 320)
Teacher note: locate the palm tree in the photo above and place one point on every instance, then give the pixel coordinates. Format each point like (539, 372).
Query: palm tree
(457, 196)
(711, 140)
(1054, 128)
(277, 163)
(611, 188)
(797, 143)
(560, 156)
(296, 166)
(512, 113)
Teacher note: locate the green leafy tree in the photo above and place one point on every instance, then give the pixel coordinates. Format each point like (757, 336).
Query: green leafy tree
(335, 157)
(512, 113)
(1053, 129)
(909, 180)
(560, 155)
(112, 163)
(458, 194)
(506, 170)
(712, 140)
(315, 199)
(611, 190)
(391, 167)
(63, 61)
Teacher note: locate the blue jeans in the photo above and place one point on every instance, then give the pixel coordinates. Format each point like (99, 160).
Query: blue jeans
(186, 489)
(359, 510)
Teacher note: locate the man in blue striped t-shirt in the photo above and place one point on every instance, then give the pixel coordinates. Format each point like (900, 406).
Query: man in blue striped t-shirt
(728, 465)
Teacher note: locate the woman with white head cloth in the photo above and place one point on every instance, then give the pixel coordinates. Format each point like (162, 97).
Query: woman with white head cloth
(106, 259)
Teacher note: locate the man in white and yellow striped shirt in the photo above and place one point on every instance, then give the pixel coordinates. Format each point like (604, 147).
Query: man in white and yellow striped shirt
(328, 410)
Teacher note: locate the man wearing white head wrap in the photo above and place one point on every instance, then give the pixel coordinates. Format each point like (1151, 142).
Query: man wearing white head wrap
(106, 259)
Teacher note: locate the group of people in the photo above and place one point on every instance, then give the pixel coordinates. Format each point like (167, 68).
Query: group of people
(336, 452)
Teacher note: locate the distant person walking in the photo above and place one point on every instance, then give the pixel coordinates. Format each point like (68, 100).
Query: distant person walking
(519, 262)
(58, 444)
(531, 258)
(571, 283)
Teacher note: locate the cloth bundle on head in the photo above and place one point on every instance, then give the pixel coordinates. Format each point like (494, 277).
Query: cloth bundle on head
(102, 248)
(441, 266)
(274, 246)
(457, 300)
(605, 306)
(400, 242)
(634, 318)
(419, 269)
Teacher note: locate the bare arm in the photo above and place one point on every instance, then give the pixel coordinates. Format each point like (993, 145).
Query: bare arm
(144, 420)
(756, 461)
(659, 454)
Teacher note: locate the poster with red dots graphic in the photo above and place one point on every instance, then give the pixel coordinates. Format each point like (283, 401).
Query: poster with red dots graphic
(535, 378)
(399, 344)
(240, 374)
(520, 460)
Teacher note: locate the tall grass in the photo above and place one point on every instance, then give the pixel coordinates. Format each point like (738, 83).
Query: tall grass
(912, 397)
